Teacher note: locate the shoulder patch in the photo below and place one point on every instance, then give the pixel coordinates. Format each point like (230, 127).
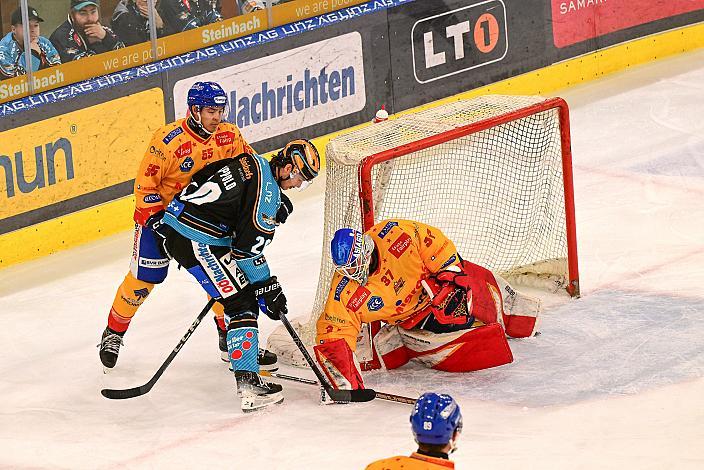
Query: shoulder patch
(358, 299)
(224, 138)
(340, 287)
(387, 228)
(375, 303)
(400, 245)
(187, 165)
(170, 136)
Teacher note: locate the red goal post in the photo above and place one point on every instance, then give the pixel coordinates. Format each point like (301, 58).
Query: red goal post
(494, 173)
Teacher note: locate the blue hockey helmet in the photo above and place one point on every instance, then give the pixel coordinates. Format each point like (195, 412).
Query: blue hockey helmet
(435, 418)
(207, 94)
(351, 253)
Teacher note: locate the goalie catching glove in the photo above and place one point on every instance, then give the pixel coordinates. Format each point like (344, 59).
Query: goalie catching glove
(451, 295)
(271, 299)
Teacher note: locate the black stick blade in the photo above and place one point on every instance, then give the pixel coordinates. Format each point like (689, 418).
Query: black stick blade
(123, 394)
(352, 396)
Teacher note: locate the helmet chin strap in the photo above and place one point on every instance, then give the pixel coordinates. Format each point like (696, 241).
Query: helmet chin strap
(199, 122)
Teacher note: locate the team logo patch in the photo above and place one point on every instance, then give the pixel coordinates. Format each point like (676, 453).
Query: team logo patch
(358, 299)
(149, 198)
(187, 165)
(170, 136)
(340, 287)
(400, 245)
(375, 303)
(224, 138)
(387, 228)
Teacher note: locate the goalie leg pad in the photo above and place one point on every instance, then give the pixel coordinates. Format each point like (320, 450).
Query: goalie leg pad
(390, 347)
(521, 312)
(462, 351)
(339, 364)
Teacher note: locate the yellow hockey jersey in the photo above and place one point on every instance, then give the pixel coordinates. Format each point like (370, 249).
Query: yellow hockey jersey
(173, 156)
(408, 252)
(414, 462)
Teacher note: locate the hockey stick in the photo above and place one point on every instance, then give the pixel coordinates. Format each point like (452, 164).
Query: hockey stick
(341, 396)
(144, 389)
(379, 395)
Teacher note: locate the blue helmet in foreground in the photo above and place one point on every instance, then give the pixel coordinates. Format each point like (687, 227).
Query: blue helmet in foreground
(351, 253)
(435, 418)
(206, 94)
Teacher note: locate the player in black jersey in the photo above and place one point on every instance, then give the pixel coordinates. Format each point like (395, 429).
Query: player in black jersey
(217, 228)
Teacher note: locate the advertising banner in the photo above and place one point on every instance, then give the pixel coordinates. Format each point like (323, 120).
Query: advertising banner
(579, 20)
(57, 160)
(290, 90)
(439, 49)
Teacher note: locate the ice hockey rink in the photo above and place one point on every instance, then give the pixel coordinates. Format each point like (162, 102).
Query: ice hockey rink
(614, 380)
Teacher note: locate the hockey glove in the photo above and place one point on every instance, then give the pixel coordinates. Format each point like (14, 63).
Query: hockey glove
(284, 211)
(451, 296)
(156, 224)
(272, 301)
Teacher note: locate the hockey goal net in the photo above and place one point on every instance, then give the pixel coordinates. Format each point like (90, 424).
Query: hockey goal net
(494, 173)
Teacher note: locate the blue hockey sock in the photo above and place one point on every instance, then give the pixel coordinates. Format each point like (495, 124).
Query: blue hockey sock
(243, 348)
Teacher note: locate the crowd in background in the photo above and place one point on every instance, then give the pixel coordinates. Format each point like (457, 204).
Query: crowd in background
(83, 34)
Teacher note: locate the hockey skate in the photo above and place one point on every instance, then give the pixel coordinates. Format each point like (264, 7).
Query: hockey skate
(110, 347)
(267, 360)
(255, 393)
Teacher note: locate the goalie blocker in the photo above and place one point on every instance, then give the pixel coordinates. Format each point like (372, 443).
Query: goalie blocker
(459, 315)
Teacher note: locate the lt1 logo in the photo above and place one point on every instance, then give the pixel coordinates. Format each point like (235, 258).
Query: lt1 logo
(459, 40)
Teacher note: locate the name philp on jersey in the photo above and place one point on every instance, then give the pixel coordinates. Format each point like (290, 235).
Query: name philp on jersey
(187, 165)
(170, 136)
(387, 228)
(400, 245)
(375, 303)
(358, 299)
(340, 287)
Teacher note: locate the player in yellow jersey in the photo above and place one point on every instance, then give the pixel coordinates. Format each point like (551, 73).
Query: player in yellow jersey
(436, 422)
(440, 310)
(176, 152)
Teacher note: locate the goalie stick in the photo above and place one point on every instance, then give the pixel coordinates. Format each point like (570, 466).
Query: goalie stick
(303, 380)
(114, 394)
(339, 396)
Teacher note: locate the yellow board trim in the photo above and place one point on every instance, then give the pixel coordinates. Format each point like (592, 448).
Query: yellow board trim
(116, 216)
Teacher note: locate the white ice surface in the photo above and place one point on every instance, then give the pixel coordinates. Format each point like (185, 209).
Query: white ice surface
(614, 380)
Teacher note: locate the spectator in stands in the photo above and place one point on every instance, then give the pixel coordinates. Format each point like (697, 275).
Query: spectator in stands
(130, 21)
(181, 15)
(248, 6)
(12, 59)
(82, 35)
(436, 423)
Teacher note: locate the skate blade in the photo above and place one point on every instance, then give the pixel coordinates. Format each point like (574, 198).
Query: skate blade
(253, 402)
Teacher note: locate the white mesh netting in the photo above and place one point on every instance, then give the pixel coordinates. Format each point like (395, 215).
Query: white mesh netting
(497, 193)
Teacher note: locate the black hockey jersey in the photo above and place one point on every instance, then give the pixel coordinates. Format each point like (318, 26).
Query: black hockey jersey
(231, 202)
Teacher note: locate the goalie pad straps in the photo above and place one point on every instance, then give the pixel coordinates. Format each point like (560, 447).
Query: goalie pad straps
(462, 351)
(339, 364)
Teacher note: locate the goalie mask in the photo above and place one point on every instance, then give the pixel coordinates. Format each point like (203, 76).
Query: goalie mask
(351, 254)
